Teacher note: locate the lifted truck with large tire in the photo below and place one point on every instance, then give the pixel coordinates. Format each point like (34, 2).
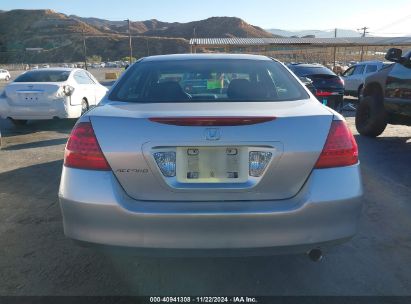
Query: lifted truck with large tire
(387, 96)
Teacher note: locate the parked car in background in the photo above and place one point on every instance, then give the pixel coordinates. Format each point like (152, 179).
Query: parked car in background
(339, 69)
(112, 65)
(254, 165)
(98, 65)
(329, 86)
(50, 93)
(387, 96)
(355, 76)
(4, 75)
(45, 66)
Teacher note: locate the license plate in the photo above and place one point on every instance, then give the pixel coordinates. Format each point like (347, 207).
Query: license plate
(212, 164)
(29, 97)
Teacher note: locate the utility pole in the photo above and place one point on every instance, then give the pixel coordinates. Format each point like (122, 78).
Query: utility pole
(364, 32)
(364, 29)
(193, 48)
(84, 48)
(335, 49)
(148, 49)
(129, 42)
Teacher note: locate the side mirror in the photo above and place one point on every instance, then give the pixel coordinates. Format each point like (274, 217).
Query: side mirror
(394, 55)
(305, 80)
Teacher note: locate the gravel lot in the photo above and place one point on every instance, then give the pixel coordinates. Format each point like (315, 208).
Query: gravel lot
(36, 258)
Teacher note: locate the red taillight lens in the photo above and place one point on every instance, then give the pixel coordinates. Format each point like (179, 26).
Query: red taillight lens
(211, 121)
(340, 149)
(83, 151)
(323, 94)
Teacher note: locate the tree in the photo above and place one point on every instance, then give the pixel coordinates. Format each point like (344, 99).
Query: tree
(94, 58)
(128, 58)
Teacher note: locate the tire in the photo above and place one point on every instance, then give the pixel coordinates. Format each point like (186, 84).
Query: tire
(84, 106)
(370, 118)
(7, 78)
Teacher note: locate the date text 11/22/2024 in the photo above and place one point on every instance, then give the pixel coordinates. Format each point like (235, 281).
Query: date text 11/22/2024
(239, 299)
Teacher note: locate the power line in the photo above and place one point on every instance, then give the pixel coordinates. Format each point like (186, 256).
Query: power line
(394, 23)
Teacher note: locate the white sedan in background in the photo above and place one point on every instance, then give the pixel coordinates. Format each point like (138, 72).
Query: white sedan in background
(4, 75)
(49, 94)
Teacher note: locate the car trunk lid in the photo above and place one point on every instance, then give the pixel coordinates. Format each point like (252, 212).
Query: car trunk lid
(131, 140)
(32, 94)
(324, 81)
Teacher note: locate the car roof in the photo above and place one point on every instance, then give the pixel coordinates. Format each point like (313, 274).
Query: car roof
(369, 62)
(57, 69)
(176, 57)
(307, 65)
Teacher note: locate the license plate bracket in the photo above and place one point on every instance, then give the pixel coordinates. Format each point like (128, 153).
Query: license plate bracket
(212, 164)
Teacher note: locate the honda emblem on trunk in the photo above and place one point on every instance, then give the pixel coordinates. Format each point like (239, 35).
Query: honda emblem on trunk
(212, 134)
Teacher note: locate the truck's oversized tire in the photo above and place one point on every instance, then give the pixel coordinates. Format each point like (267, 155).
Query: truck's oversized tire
(370, 119)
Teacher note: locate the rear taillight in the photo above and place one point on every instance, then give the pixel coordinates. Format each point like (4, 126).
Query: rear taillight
(340, 149)
(83, 151)
(68, 90)
(65, 90)
(323, 94)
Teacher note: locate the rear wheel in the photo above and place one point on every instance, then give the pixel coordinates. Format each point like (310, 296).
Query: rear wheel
(84, 106)
(19, 122)
(7, 78)
(370, 119)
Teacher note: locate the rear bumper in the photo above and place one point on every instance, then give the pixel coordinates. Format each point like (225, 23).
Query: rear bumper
(96, 210)
(59, 108)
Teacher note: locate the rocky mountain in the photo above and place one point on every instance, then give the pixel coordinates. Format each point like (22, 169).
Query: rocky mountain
(137, 27)
(61, 37)
(211, 27)
(208, 28)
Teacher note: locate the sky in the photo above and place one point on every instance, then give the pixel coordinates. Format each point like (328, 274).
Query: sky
(384, 18)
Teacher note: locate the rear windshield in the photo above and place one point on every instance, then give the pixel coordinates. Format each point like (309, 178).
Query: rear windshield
(207, 80)
(306, 71)
(43, 76)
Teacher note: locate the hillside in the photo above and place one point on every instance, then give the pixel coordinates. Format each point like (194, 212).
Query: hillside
(209, 28)
(137, 27)
(61, 37)
(21, 29)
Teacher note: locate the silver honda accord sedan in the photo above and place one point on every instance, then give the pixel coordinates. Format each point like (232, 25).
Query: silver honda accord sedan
(210, 153)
